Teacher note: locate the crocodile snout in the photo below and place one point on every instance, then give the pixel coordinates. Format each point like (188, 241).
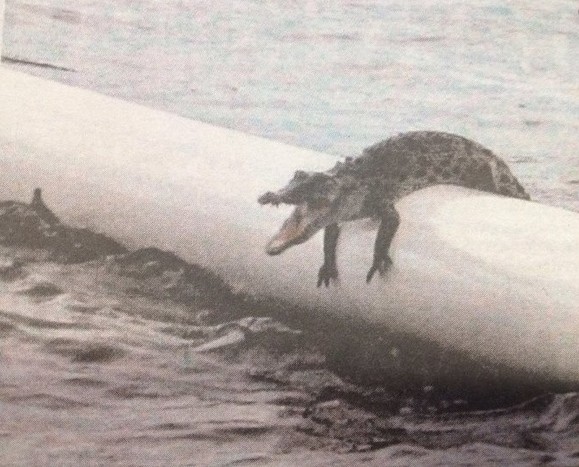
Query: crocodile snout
(268, 198)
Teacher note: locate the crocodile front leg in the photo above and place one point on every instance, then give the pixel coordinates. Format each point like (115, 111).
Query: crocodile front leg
(386, 231)
(329, 270)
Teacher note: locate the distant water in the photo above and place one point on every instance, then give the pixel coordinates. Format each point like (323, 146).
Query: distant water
(332, 76)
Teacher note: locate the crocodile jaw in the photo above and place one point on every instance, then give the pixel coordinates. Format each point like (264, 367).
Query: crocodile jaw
(302, 224)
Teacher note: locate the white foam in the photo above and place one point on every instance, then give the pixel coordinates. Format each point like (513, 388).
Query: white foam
(493, 276)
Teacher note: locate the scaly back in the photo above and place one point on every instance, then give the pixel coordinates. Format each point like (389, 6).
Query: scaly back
(415, 160)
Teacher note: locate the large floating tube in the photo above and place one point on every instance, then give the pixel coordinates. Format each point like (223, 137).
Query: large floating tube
(495, 277)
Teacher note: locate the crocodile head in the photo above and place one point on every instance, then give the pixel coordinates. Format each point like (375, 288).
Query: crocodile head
(316, 196)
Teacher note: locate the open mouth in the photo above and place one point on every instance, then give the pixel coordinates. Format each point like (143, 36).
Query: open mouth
(292, 232)
(302, 224)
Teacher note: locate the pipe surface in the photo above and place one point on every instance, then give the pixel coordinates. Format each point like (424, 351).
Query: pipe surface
(495, 277)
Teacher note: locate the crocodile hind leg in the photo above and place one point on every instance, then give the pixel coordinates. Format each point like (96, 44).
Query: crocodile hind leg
(329, 270)
(386, 232)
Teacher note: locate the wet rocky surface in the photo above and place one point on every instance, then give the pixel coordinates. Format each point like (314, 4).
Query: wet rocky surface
(34, 226)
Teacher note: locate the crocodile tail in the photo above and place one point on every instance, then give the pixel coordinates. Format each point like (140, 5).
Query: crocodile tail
(506, 183)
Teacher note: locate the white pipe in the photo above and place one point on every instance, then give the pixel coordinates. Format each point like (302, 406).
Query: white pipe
(495, 277)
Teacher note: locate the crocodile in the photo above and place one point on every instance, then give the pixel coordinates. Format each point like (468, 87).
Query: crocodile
(369, 186)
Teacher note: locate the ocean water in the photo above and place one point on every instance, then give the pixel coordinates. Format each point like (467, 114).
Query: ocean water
(331, 76)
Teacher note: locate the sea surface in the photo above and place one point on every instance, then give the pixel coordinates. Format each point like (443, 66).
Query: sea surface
(118, 357)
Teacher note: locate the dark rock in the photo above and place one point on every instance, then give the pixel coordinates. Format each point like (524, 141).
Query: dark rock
(37, 204)
(21, 225)
(163, 273)
(81, 245)
(35, 226)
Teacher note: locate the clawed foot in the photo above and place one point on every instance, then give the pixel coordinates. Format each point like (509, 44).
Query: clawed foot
(382, 265)
(327, 274)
